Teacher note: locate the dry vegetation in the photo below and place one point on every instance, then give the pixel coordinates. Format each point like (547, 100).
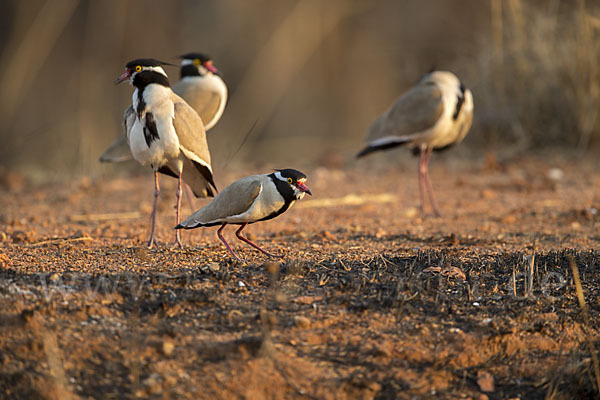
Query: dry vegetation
(370, 301)
(310, 74)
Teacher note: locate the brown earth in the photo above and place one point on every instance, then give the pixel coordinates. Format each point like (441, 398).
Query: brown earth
(370, 300)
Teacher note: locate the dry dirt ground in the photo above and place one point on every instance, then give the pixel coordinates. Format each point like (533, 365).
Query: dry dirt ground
(370, 300)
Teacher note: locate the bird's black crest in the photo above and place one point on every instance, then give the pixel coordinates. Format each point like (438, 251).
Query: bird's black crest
(146, 62)
(291, 173)
(192, 56)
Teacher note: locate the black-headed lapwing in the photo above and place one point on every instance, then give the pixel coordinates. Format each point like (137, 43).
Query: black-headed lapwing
(166, 134)
(433, 115)
(201, 86)
(248, 200)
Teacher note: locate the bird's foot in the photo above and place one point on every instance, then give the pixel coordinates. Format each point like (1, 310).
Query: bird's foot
(152, 242)
(177, 243)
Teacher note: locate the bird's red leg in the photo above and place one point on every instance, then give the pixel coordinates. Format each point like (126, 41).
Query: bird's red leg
(238, 233)
(178, 213)
(428, 185)
(225, 241)
(152, 240)
(422, 172)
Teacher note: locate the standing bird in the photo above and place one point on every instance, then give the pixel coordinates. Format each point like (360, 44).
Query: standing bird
(165, 133)
(201, 86)
(433, 115)
(248, 200)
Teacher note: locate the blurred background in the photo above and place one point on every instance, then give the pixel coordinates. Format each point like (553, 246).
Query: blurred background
(310, 74)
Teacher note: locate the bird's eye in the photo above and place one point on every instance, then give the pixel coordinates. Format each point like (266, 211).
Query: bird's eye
(290, 181)
(138, 68)
(196, 62)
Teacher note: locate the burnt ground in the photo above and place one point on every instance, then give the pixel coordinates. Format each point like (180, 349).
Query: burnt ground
(370, 300)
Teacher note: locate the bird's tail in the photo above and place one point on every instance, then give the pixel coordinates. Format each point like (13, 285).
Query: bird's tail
(384, 146)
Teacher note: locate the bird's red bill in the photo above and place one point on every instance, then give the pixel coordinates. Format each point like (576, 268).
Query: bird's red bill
(303, 187)
(124, 76)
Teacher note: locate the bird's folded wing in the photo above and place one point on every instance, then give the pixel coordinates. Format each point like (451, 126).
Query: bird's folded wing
(465, 118)
(205, 102)
(119, 150)
(191, 133)
(235, 199)
(416, 111)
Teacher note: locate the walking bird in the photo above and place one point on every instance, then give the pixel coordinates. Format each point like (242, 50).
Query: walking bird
(249, 200)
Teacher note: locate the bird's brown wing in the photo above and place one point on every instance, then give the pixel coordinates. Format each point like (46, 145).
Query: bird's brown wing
(235, 199)
(414, 112)
(205, 102)
(192, 142)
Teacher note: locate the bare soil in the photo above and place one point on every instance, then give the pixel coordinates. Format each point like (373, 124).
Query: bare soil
(369, 301)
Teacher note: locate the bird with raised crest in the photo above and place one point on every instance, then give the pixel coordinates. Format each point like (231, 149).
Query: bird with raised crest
(166, 134)
(251, 199)
(201, 86)
(433, 115)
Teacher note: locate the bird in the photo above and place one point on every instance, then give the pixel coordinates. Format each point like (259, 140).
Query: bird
(165, 133)
(201, 85)
(435, 114)
(248, 200)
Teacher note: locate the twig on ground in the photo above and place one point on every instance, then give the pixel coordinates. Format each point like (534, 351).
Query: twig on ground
(586, 320)
(63, 239)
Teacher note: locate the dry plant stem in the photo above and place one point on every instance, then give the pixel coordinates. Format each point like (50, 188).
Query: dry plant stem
(152, 240)
(55, 240)
(586, 320)
(178, 242)
(105, 216)
(55, 365)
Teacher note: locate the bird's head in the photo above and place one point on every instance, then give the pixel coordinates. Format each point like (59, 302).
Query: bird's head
(197, 64)
(144, 71)
(296, 180)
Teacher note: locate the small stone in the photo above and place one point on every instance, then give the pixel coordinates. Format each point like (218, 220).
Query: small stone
(555, 174)
(302, 322)
(485, 380)
(214, 267)
(575, 225)
(488, 194)
(509, 219)
(168, 347)
(53, 277)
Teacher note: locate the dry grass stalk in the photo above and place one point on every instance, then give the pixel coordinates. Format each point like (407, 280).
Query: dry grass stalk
(348, 200)
(586, 319)
(60, 385)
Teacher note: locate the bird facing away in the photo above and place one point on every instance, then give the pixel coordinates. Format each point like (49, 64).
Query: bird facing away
(248, 200)
(433, 115)
(201, 86)
(166, 134)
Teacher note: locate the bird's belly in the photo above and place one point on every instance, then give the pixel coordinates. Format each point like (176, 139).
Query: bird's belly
(441, 135)
(158, 152)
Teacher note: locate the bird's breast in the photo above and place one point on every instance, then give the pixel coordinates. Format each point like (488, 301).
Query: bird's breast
(152, 139)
